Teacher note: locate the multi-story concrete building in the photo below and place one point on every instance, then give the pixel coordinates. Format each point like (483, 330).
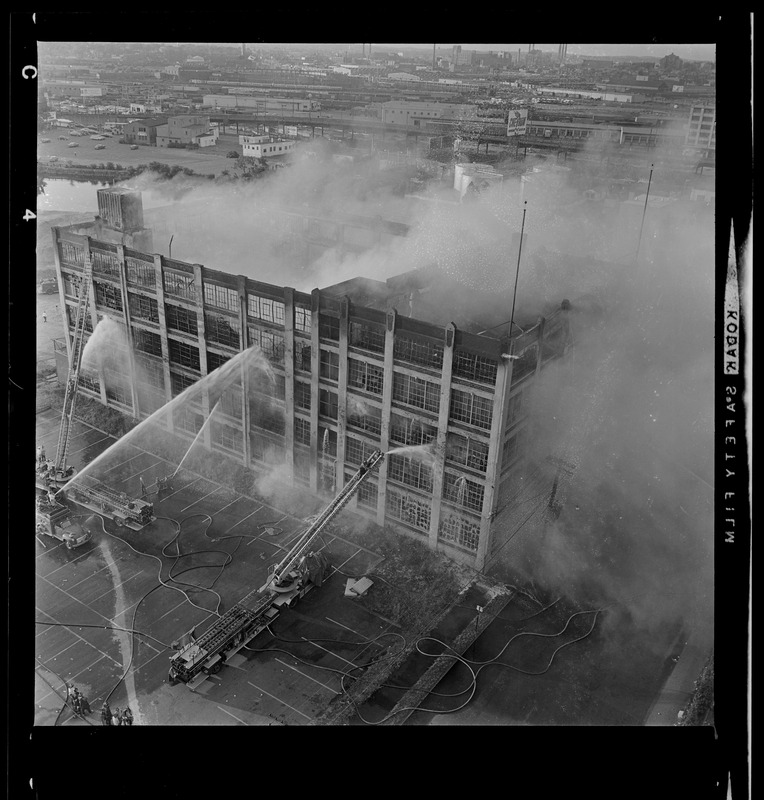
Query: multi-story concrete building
(701, 129)
(358, 366)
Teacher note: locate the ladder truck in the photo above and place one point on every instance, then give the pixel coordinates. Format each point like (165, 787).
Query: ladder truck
(56, 472)
(288, 581)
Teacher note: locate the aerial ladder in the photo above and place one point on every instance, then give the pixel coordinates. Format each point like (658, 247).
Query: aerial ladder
(289, 580)
(57, 472)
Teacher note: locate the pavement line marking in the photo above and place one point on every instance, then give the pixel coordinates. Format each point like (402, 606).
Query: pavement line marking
(259, 689)
(336, 569)
(140, 472)
(61, 651)
(233, 715)
(199, 478)
(92, 444)
(216, 489)
(76, 600)
(70, 628)
(305, 675)
(146, 663)
(242, 520)
(349, 629)
(50, 550)
(68, 563)
(71, 679)
(331, 652)
(111, 589)
(226, 506)
(88, 577)
(122, 463)
(184, 600)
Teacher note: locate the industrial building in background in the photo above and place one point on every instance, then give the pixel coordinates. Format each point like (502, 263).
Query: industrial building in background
(360, 366)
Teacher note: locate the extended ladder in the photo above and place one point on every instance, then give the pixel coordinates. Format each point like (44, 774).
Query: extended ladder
(70, 398)
(303, 544)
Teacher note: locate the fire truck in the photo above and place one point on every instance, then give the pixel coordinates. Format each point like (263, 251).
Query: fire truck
(294, 576)
(54, 520)
(126, 511)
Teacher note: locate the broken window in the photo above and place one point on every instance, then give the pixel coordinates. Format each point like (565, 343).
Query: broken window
(411, 510)
(183, 354)
(410, 471)
(419, 351)
(471, 453)
(147, 342)
(410, 430)
(474, 367)
(462, 491)
(302, 319)
(180, 284)
(181, 319)
(302, 395)
(458, 530)
(367, 337)
(471, 408)
(365, 376)
(222, 329)
(108, 296)
(416, 392)
(143, 307)
(302, 355)
(140, 273)
(265, 309)
(328, 327)
(270, 343)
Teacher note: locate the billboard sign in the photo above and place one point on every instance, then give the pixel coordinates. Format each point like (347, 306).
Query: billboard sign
(517, 122)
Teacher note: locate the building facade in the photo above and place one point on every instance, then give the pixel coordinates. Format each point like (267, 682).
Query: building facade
(352, 375)
(265, 146)
(411, 112)
(701, 129)
(142, 131)
(182, 130)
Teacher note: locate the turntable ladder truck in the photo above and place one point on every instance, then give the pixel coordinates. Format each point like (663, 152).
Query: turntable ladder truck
(287, 582)
(70, 397)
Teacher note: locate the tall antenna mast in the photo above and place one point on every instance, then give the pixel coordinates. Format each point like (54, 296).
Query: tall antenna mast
(517, 272)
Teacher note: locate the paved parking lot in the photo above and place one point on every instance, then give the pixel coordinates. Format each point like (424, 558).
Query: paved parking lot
(205, 160)
(117, 581)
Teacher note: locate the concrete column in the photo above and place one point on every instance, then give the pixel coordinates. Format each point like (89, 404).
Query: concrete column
(493, 467)
(163, 335)
(128, 329)
(444, 410)
(342, 389)
(94, 317)
(202, 345)
(289, 377)
(387, 405)
(315, 370)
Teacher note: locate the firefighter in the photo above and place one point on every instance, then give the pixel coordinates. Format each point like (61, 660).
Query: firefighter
(106, 714)
(41, 454)
(144, 492)
(127, 716)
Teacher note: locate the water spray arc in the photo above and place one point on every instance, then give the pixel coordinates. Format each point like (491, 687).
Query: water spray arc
(196, 439)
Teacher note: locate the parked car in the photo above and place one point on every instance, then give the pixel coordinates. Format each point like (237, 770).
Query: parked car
(45, 141)
(100, 147)
(133, 146)
(63, 138)
(73, 144)
(53, 158)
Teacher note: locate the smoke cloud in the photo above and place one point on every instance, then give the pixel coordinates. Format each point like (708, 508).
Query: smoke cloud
(629, 409)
